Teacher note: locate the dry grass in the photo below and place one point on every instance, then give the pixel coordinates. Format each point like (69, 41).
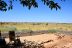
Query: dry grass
(36, 26)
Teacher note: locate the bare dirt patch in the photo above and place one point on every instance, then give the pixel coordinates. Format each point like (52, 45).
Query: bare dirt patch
(50, 40)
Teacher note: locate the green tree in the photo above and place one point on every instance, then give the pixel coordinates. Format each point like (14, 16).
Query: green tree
(5, 5)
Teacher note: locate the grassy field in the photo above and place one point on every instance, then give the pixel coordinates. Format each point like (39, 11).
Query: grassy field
(6, 26)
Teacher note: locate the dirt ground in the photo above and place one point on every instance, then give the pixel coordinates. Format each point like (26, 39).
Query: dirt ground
(58, 40)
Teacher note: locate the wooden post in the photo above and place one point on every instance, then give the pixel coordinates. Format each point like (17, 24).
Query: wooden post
(11, 35)
(0, 33)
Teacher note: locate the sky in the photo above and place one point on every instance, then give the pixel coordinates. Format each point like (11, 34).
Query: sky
(41, 14)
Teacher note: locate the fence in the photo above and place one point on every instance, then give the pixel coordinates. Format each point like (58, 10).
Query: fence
(29, 33)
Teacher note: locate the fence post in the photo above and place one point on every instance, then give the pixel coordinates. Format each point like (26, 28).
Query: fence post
(11, 35)
(0, 33)
(31, 32)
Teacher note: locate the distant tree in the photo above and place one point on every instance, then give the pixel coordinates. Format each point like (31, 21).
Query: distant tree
(46, 23)
(8, 4)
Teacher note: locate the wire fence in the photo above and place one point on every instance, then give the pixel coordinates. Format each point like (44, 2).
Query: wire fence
(30, 33)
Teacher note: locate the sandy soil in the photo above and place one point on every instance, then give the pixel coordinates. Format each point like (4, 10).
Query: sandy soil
(59, 40)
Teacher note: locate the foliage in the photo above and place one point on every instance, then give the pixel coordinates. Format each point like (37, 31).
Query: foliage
(4, 6)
